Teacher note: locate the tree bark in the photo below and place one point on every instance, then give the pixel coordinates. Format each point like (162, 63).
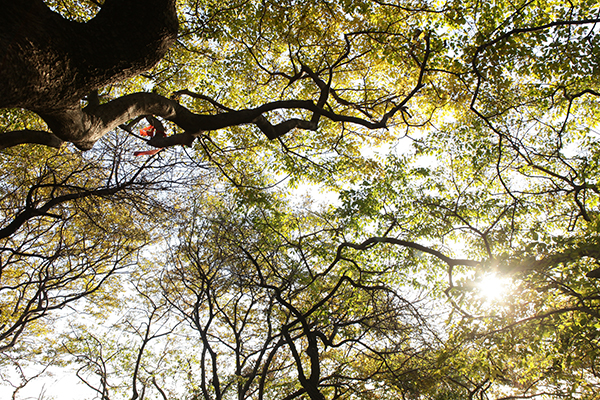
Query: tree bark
(48, 64)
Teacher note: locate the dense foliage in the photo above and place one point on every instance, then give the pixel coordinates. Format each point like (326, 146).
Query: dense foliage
(435, 235)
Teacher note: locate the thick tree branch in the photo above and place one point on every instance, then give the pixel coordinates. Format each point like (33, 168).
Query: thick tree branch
(14, 138)
(49, 63)
(103, 118)
(84, 57)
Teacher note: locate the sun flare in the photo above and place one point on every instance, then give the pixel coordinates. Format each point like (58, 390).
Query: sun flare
(493, 287)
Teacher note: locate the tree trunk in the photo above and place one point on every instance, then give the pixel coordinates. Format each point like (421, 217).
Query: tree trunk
(48, 64)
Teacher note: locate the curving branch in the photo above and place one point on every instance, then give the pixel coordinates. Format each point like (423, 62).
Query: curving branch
(85, 127)
(412, 245)
(14, 138)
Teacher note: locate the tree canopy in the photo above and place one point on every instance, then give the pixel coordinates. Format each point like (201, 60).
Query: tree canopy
(352, 199)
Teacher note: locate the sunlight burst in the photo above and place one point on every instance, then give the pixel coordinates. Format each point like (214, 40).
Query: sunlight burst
(493, 287)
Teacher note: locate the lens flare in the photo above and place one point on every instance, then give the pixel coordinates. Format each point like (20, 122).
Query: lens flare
(492, 287)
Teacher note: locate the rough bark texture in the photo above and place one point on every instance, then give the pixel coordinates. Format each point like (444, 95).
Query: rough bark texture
(48, 64)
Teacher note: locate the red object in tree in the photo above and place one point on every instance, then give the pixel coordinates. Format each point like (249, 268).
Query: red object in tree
(149, 131)
(146, 153)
